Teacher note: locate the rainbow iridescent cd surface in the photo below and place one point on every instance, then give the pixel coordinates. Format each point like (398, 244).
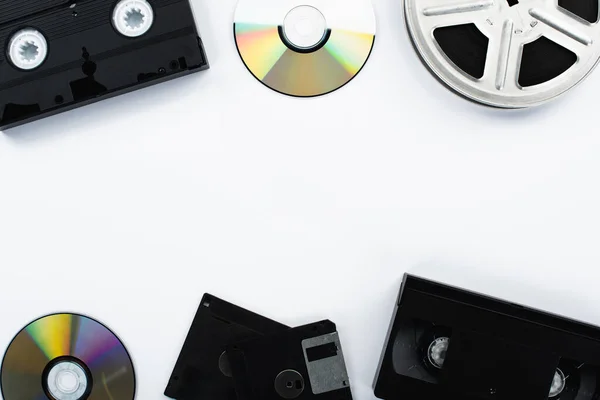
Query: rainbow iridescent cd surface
(67, 357)
(304, 49)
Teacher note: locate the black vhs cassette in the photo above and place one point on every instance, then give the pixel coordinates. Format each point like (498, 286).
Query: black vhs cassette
(61, 54)
(202, 370)
(445, 342)
(306, 362)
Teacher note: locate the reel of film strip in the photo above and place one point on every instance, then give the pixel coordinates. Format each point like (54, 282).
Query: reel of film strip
(506, 53)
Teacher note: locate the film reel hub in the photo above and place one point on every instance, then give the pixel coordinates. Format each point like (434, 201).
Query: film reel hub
(504, 53)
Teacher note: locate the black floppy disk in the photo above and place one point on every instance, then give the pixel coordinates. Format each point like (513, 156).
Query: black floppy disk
(61, 54)
(300, 363)
(203, 370)
(447, 342)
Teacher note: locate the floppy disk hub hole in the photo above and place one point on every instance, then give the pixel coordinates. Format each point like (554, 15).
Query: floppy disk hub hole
(289, 384)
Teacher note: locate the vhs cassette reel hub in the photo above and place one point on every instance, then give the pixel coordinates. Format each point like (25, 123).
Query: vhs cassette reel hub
(133, 18)
(436, 353)
(506, 53)
(558, 383)
(27, 49)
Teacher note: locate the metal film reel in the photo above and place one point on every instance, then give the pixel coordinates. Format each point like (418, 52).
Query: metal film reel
(506, 53)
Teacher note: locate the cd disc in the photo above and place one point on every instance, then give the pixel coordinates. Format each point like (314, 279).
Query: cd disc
(506, 53)
(66, 357)
(304, 49)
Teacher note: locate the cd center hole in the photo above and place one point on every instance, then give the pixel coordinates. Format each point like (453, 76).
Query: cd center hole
(513, 2)
(304, 27)
(67, 381)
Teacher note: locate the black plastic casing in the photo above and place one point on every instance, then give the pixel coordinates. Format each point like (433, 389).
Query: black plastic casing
(257, 362)
(197, 373)
(497, 349)
(88, 60)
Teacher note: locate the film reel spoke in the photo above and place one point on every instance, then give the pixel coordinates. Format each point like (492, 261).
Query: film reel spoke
(502, 60)
(506, 53)
(476, 12)
(465, 7)
(555, 19)
(565, 41)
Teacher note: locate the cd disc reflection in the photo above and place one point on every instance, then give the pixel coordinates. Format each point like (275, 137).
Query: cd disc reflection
(306, 49)
(67, 357)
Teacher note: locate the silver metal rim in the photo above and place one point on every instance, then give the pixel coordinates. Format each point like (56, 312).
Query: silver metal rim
(508, 30)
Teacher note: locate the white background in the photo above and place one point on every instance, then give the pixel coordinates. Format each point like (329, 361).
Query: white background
(299, 209)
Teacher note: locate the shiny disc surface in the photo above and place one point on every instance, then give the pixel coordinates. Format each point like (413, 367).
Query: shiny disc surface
(304, 49)
(67, 349)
